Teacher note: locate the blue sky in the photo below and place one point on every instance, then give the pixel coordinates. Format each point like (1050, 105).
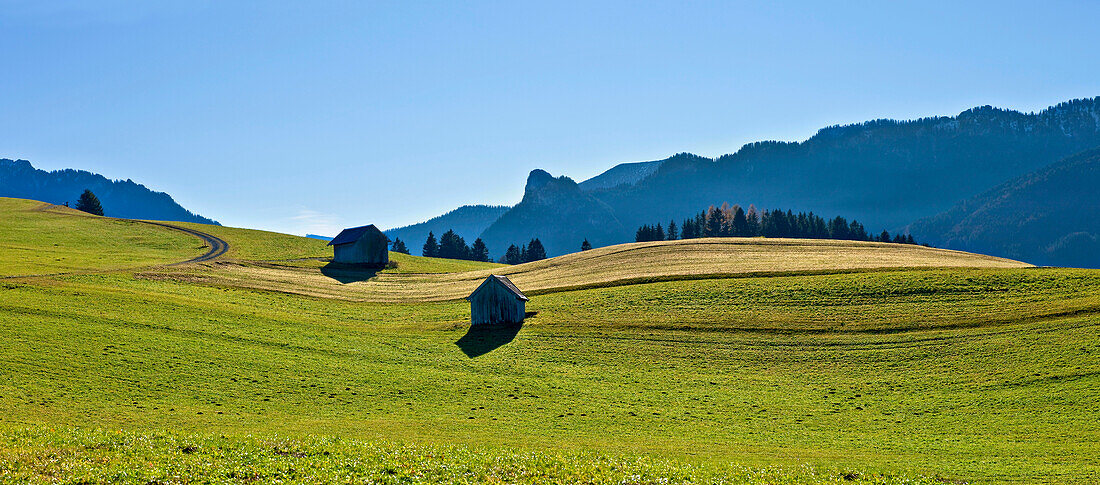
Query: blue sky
(310, 117)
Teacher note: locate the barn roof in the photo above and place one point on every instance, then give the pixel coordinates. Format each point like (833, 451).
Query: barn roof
(353, 234)
(503, 280)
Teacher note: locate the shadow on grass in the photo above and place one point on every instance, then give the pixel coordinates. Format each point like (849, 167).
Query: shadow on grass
(482, 339)
(349, 273)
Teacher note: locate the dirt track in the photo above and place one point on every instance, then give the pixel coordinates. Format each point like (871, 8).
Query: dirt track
(217, 245)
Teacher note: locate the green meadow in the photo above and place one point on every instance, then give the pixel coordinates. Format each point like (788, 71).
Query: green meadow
(902, 371)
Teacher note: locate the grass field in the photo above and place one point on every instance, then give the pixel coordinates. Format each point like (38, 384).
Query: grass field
(942, 367)
(624, 264)
(41, 238)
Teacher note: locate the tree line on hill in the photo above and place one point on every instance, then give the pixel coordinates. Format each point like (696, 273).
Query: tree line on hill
(724, 221)
(727, 221)
(452, 246)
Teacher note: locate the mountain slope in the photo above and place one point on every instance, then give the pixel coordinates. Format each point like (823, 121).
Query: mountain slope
(1050, 216)
(884, 173)
(553, 209)
(623, 173)
(467, 221)
(124, 199)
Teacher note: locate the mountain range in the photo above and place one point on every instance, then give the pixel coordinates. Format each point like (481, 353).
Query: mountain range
(885, 173)
(120, 198)
(1047, 217)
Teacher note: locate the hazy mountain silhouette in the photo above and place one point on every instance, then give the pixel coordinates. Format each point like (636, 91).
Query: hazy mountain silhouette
(1049, 217)
(467, 221)
(120, 198)
(623, 173)
(884, 173)
(554, 210)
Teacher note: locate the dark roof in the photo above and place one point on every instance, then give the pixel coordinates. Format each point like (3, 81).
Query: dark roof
(353, 234)
(507, 284)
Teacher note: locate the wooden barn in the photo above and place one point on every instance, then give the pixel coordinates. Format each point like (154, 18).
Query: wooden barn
(497, 300)
(364, 245)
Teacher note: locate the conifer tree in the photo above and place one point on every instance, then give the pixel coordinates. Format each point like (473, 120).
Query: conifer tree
(431, 248)
(714, 223)
(399, 246)
(740, 225)
(752, 216)
(523, 254)
(479, 251)
(535, 251)
(89, 203)
(585, 245)
(688, 229)
(884, 237)
(513, 255)
(658, 233)
(453, 246)
(672, 234)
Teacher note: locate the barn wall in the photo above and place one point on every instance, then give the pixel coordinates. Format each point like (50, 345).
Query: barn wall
(369, 249)
(493, 303)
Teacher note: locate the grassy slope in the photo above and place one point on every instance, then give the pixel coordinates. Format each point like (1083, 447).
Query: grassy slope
(41, 238)
(613, 265)
(966, 373)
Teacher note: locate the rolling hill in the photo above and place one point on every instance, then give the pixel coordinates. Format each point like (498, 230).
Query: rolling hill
(120, 198)
(1047, 217)
(752, 360)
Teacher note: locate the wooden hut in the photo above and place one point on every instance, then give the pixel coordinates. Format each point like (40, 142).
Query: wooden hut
(364, 245)
(497, 300)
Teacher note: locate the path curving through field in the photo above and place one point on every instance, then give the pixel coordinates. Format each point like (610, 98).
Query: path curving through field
(218, 246)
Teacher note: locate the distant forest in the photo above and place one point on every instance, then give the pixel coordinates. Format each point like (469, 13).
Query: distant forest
(727, 221)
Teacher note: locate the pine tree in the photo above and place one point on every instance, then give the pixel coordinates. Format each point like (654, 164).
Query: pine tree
(658, 233)
(884, 237)
(909, 239)
(453, 246)
(431, 248)
(740, 225)
(479, 251)
(672, 233)
(838, 228)
(688, 229)
(523, 254)
(585, 245)
(752, 216)
(89, 203)
(399, 246)
(513, 255)
(535, 251)
(714, 223)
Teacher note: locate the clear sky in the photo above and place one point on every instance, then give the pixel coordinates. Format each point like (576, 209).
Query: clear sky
(310, 117)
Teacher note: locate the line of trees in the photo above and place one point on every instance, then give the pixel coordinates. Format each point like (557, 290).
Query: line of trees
(453, 246)
(727, 221)
(532, 251)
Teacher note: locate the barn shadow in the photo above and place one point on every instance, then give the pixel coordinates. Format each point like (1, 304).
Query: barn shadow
(482, 339)
(349, 273)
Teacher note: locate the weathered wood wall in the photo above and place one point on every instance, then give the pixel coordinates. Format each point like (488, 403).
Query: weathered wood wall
(493, 303)
(372, 249)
